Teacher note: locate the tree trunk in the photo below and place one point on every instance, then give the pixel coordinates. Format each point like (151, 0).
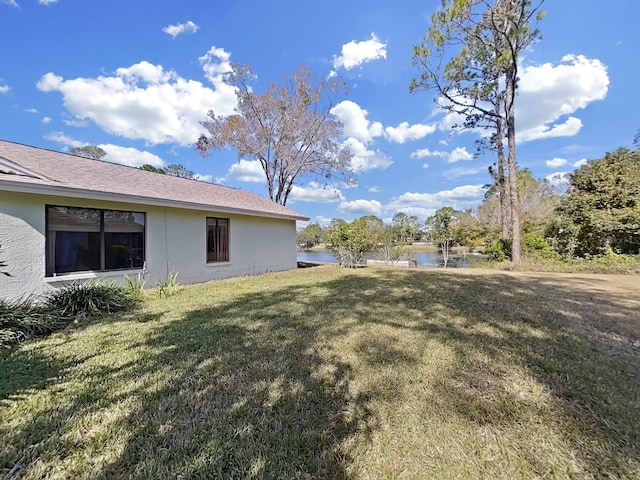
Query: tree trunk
(503, 187)
(512, 165)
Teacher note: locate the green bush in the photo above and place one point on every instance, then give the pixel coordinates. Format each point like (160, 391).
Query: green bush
(498, 251)
(535, 245)
(90, 298)
(348, 243)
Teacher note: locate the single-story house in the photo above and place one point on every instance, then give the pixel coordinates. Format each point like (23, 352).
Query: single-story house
(65, 218)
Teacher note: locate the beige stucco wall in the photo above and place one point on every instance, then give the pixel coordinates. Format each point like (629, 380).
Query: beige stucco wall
(175, 241)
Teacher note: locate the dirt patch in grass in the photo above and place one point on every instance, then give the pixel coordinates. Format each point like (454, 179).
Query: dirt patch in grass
(608, 303)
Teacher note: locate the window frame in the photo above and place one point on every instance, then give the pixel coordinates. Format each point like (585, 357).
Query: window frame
(228, 240)
(50, 262)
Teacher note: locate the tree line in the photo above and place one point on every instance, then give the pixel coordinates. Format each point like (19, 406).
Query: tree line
(598, 214)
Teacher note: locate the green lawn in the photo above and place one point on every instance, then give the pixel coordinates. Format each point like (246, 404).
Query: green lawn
(330, 373)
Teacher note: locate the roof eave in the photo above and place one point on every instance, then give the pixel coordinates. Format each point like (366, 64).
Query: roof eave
(20, 187)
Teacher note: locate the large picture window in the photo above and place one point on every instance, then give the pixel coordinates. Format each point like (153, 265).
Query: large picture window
(217, 239)
(85, 239)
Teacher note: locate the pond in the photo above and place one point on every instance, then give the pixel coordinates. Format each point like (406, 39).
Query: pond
(424, 259)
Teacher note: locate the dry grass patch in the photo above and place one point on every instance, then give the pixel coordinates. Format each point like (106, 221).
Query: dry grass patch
(329, 373)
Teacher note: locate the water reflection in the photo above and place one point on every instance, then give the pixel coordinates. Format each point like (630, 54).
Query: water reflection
(424, 259)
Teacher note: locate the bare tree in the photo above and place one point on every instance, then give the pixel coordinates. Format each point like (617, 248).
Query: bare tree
(289, 129)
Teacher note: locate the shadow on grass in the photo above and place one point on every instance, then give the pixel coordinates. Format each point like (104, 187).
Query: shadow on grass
(577, 343)
(254, 387)
(22, 371)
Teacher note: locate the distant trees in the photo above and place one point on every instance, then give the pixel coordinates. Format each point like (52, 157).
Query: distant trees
(173, 169)
(177, 170)
(538, 200)
(350, 242)
(150, 168)
(470, 57)
(289, 129)
(89, 151)
(406, 228)
(310, 236)
(601, 209)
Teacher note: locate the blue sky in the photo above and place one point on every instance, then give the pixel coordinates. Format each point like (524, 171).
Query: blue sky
(137, 77)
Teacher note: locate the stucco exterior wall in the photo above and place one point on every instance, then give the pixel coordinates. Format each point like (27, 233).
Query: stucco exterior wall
(175, 242)
(22, 245)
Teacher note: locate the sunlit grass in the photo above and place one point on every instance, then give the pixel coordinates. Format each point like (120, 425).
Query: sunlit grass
(330, 373)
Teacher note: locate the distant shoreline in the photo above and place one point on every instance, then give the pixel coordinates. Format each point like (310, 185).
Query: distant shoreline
(416, 247)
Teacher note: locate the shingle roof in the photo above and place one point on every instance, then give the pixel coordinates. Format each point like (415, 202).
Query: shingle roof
(36, 170)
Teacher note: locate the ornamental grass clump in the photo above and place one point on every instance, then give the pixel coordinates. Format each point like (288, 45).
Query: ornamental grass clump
(90, 299)
(29, 318)
(24, 319)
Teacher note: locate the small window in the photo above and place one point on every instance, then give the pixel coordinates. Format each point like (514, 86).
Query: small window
(217, 239)
(85, 239)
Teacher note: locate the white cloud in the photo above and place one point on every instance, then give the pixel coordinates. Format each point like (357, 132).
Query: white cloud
(351, 184)
(458, 153)
(145, 101)
(558, 179)
(60, 137)
(47, 2)
(75, 122)
(404, 132)
(425, 152)
(358, 127)
(458, 172)
(556, 162)
(361, 207)
(364, 159)
(315, 192)
(115, 153)
(549, 94)
(425, 165)
(46, 120)
(175, 30)
(373, 189)
(130, 156)
(461, 197)
(355, 53)
(247, 171)
(215, 63)
(31, 110)
(11, 3)
(145, 71)
(581, 163)
(322, 221)
(355, 122)
(204, 178)
(4, 88)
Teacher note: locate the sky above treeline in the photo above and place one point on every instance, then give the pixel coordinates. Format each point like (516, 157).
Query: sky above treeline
(137, 77)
